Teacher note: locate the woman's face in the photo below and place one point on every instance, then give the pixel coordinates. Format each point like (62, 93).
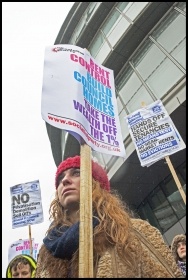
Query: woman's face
(181, 250)
(69, 189)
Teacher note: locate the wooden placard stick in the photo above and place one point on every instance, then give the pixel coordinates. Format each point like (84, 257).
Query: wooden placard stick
(176, 179)
(30, 242)
(86, 226)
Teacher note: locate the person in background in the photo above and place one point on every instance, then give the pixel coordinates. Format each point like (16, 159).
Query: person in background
(178, 247)
(123, 246)
(22, 266)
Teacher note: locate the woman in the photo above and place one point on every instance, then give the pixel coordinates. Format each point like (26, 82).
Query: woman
(123, 247)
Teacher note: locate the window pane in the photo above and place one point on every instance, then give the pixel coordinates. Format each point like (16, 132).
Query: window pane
(123, 124)
(181, 6)
(119, 105)
(111, 21)
(122, 5)
(147, 59)
(102, 53)
(174, 197)
(118, 30)
(171, 34)
(132, 90)
(135, 9)
(107, 158)
(179, 53)
(99, 40)
(182, 170)
(168, 74)
(115, 27)
(123, 77)
(103, 159)
(136, 101)
(88, 14)
(162, 209)
(130, 87)
(154, 66)
(145, 212)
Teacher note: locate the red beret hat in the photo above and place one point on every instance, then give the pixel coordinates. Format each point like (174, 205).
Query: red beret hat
(98, 173)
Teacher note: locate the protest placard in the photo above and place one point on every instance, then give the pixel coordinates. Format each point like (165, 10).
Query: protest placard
(26, 204)
(153, 133)
(22, 246)
(78, 95)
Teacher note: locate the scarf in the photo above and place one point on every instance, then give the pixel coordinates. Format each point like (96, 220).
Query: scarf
(63, 241)
(182, 266)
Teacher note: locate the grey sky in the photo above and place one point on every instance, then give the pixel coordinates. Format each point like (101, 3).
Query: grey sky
(27, 28)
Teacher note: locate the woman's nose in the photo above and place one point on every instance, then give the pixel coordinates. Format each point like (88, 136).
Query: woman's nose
(66, 179)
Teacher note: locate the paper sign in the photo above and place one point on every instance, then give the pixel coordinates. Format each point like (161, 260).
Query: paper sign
(26, 204)
(78, 96)
(153, 133)
(22, 246)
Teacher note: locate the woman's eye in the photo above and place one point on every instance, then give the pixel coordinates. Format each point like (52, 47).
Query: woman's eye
(76, 173)
(60, 178)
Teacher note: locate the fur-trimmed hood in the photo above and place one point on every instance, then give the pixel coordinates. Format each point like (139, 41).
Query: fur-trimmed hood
(178, 238)
(30, 260)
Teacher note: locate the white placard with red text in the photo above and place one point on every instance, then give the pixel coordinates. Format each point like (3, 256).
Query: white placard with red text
(22, 246)
(78, 95)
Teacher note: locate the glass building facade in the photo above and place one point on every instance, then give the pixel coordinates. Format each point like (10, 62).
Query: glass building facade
(145, 44)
